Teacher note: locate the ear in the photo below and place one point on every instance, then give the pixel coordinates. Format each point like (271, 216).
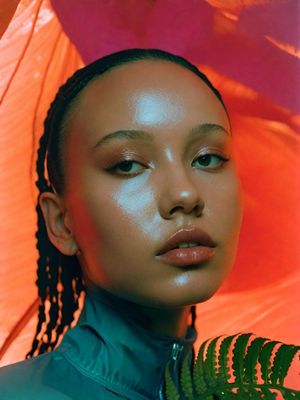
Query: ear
(57, 223)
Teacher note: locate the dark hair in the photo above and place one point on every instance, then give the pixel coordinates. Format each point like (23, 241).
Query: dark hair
(59, 278)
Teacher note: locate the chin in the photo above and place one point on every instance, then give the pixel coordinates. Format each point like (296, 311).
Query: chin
(178, 299)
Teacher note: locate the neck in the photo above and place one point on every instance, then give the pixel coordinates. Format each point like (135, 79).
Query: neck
(170, 322)
(165, 321)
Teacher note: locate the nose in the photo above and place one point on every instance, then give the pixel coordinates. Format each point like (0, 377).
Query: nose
(180, 194)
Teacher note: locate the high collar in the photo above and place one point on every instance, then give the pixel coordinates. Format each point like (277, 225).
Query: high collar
(112, 344)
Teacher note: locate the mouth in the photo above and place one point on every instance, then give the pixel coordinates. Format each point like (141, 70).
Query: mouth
(187, 247)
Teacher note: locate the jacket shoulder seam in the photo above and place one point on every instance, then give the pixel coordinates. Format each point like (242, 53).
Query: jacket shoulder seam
(113, 386)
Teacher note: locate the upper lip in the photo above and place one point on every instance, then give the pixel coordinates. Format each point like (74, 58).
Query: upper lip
(185, 235)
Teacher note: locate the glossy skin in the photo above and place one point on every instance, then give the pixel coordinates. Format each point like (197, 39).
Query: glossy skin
(120, 217)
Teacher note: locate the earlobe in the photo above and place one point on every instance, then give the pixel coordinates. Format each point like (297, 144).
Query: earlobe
(54, 212)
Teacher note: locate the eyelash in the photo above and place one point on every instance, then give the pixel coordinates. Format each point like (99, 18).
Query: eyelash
(222, 158)
(113, 168)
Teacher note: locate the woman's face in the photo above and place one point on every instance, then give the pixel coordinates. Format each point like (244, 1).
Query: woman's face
(127, 193)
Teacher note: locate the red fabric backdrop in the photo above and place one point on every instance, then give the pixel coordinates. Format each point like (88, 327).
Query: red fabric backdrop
(250, 50)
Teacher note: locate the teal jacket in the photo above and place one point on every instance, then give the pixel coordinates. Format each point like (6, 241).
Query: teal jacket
(110, 354)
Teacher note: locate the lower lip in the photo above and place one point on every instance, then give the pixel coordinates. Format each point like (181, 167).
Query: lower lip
(187, 256)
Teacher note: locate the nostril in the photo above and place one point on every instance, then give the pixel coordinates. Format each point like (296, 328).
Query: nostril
(197, 209)
(177, 208)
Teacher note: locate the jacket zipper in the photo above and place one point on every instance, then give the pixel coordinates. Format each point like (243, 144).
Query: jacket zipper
(177, 349)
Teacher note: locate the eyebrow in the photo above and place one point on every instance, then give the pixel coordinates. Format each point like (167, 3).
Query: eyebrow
(132, 134)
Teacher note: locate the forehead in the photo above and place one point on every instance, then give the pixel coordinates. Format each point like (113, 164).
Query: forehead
(145, 94)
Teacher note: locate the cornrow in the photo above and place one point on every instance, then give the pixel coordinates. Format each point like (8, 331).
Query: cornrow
(59, 277)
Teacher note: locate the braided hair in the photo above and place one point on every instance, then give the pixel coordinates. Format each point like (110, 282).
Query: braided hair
(59, 277)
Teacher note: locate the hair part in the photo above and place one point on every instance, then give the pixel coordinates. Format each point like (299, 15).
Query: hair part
(59, 277)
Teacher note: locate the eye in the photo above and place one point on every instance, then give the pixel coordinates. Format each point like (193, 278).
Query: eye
(127, 167)
(208, 161)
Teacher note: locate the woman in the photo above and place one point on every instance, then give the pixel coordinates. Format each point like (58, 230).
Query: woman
(141, 210)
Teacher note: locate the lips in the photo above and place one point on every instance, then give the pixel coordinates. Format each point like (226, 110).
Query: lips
(203, 248)
(184, 236)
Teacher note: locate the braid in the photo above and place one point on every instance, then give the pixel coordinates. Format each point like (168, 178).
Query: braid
(53, 268)
(59, 277)
(193, 313)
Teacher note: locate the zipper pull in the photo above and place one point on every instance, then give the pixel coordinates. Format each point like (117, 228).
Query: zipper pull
(176, 350)
(175, 353)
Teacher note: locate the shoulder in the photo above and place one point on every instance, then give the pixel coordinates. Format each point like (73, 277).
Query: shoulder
(50, 377)
(32, 379)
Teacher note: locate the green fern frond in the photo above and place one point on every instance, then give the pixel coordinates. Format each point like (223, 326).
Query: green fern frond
(277, 364)
(248, 392)
(211, 378)
(264, 359)
(171, 390)
(186, 380)
(288, 395)
(287, 360)
(223, 359)
(251, 359)
(282, 361)
(198, 371)
(210, 363)
(268, 395)
(239, 350)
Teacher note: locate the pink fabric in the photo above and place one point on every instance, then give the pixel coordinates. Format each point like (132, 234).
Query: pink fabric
(253, 42)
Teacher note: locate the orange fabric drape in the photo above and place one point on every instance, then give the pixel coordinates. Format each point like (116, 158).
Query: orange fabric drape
(36, 57)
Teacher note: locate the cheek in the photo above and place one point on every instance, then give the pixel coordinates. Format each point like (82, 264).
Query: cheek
(97, 232)
(114, 226)
(135, 203)
(225, 206)
(113, 217)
